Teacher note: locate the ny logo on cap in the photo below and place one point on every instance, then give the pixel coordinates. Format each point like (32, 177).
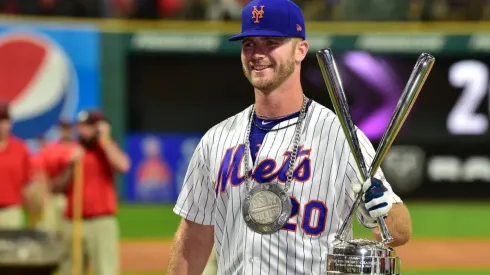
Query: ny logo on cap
(256, 13)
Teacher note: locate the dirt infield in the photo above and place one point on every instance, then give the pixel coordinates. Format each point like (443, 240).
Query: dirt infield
(152, 256)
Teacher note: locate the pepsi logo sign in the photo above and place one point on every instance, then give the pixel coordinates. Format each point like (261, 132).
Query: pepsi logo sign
(38, 80)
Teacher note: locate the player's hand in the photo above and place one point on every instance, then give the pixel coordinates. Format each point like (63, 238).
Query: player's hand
(104, 129)
(376, 201)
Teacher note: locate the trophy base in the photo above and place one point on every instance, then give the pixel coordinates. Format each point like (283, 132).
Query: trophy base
(362, 257)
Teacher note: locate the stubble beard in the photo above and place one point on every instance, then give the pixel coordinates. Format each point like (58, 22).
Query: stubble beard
(280, 74)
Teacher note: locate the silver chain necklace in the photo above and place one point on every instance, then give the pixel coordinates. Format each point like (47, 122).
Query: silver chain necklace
(267, 207)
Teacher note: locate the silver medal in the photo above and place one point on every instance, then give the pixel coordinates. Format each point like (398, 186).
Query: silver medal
(266, 208)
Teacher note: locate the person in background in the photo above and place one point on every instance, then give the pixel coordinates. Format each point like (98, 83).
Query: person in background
(453, 10)
(375, 10)
(46, 165)
(14, 173)
(225, 9)
(101, 159)
(35, 193)
(117, 8)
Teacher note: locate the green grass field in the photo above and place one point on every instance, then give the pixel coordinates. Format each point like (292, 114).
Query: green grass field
(431, 220)
(446, 272)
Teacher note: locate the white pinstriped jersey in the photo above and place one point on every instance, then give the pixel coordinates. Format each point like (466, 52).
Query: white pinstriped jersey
(213, 192)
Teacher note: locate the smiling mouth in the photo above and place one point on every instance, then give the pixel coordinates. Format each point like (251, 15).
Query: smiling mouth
(260, 67)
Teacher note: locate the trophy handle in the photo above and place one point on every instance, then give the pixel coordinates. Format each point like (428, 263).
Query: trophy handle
(413, 87)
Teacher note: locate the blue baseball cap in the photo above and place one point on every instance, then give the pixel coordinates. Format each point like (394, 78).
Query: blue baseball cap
(276, 18)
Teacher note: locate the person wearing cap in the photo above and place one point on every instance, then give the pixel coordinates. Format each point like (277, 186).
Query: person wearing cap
(46, 167)
(14, 173)
(101, 158)
(270, 186)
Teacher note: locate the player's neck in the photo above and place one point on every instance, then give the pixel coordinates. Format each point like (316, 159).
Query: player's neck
(282, 101)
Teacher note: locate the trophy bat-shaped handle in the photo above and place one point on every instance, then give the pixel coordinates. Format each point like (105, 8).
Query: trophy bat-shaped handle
(333, 82)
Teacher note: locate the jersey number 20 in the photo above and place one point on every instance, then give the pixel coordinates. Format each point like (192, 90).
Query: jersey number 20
(314, 217)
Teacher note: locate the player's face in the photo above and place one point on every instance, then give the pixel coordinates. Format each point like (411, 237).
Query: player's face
(268, 61)
(5, 127)
(86, 131)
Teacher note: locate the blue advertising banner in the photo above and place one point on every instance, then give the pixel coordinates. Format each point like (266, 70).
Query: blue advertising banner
(159, 163)
(47, 73)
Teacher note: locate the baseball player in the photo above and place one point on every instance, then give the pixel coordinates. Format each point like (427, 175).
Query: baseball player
(271, 185)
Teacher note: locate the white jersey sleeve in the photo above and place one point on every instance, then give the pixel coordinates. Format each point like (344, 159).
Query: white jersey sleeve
(197, 199)
(353, 174)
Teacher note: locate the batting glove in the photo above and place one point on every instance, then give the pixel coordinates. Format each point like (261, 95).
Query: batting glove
(375, 201)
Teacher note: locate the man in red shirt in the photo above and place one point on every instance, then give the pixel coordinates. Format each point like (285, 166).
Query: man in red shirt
(101, 158)
(14, 173)
(47, 164)
(35, 194)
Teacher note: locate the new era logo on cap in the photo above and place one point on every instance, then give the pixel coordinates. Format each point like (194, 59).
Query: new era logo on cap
(275, 18)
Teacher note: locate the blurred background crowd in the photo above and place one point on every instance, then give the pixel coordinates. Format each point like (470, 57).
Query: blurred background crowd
(335, 10)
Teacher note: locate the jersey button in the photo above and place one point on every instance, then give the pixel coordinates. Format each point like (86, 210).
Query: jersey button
(251, 260)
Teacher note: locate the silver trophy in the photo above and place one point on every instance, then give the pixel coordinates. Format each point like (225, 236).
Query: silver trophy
(361, 256)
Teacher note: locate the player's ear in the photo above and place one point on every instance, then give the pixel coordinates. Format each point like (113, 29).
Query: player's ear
(301, 50)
